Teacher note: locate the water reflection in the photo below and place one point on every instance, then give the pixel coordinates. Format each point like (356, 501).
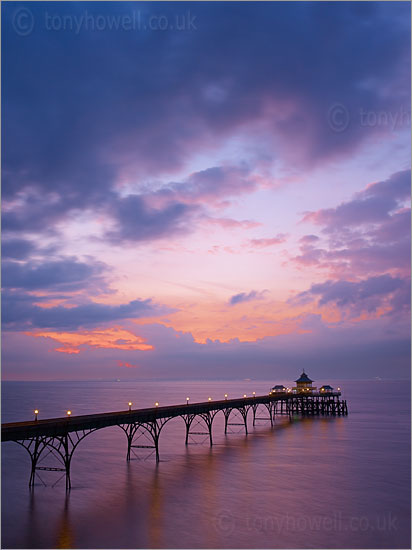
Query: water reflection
(299, 471)
(155, 511)
(184, 495)
(65, 537)
(32, 529)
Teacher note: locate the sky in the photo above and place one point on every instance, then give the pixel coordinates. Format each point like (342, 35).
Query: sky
(205, 190)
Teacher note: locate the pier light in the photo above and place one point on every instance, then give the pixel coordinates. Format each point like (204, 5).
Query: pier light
(36, 412)
(338, 389)
(244, 395)
(156, 404)
(69, 413)
(209, 399)
(254, 394)
(130, 405)
(187, 401)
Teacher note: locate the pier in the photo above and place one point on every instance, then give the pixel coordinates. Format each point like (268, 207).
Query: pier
(61, 436)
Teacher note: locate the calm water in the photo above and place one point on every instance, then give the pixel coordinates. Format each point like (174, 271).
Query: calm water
(312, 483)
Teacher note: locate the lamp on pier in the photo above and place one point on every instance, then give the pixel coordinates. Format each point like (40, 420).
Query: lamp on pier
(156, 404)
(338, 389)
(36, 412)
(187, 401)
(209, 399)
(254, 394)
(69, 413)
(225, 396)
(244, 395)
(130, 405)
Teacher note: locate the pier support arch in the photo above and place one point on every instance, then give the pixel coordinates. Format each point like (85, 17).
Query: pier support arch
(60, 447)
(243, 411)
(150, 429)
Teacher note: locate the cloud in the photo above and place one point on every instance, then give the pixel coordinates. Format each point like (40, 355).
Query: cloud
(308, 239)
(153, 102)
(367, 295)
(228, 223)
(109, 338)
(246, 297)
(176, 207)
(327, 351)
(144, 131)
(212, 184)
(17, 249)
(280, 238)
(372, 205)
(368, 235)
(367, 252)
(136, 221)
(126, 364)
(19, 313)
(66, 274)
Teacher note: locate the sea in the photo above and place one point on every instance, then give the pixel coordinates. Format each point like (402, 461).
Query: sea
(327, 482)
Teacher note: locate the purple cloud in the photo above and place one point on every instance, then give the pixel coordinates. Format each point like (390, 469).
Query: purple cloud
(368, 235)
(373, 205)
(16, 248)
(280, 238)
(356, 297)
(309, 239)
(211, 185)
(246, 297)
(177, 356)
(66, 274)
(145, 117)
(19, 313)
(135, 220)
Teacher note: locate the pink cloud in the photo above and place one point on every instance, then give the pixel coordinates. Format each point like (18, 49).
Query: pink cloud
(368, 235)
(126, 364)
(264, 243)
(228, 223)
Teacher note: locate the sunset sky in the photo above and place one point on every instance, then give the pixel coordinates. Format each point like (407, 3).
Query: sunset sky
(228, 199)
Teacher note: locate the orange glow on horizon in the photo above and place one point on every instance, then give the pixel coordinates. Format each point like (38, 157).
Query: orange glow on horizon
(247, 322)
(111, 338)
(208, 320)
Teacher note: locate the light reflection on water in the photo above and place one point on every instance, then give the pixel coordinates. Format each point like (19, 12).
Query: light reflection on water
(310, 483)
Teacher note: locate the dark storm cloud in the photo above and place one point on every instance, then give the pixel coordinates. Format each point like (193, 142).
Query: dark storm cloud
(84, 109)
